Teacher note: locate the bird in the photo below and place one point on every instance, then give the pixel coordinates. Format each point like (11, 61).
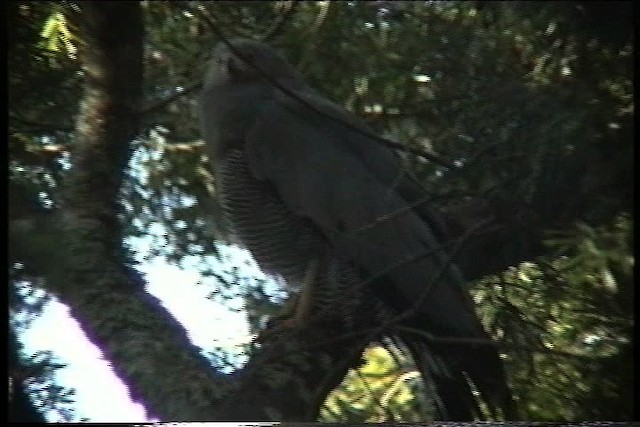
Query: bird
(323, 205)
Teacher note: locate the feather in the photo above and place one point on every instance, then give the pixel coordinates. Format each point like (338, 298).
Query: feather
(316, 161)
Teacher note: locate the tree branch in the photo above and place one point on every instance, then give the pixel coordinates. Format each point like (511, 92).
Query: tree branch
(148, 349)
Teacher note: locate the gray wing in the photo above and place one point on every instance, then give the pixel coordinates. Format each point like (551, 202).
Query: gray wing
(352, 189)
(356, 193)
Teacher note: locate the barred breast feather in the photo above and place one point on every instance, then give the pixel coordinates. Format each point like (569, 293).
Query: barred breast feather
(281, 243)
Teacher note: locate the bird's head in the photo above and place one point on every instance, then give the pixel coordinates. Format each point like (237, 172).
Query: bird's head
(248, 60)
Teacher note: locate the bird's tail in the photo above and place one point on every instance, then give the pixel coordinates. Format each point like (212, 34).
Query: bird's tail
(465, 382)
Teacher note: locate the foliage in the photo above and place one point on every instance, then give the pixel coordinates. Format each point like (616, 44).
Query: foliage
(381, 390)
(534, 100)
(569, 309)
(36, 372)
(49, 397)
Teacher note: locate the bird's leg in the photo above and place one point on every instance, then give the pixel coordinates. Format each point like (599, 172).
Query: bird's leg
(302, 306)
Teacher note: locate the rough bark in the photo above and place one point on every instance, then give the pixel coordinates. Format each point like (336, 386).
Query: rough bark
(148, 349)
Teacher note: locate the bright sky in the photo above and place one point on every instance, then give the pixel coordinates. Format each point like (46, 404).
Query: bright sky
(100, 395)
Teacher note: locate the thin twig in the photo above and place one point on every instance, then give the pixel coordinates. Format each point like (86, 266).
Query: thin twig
(40, 127)
(393, 214)
(171, 98)
(291, 6)
(488, 342)
(389, 412)
(363, 131)
(460, 241)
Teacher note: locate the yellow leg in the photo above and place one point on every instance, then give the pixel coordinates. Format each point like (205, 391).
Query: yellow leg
(303, 305)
